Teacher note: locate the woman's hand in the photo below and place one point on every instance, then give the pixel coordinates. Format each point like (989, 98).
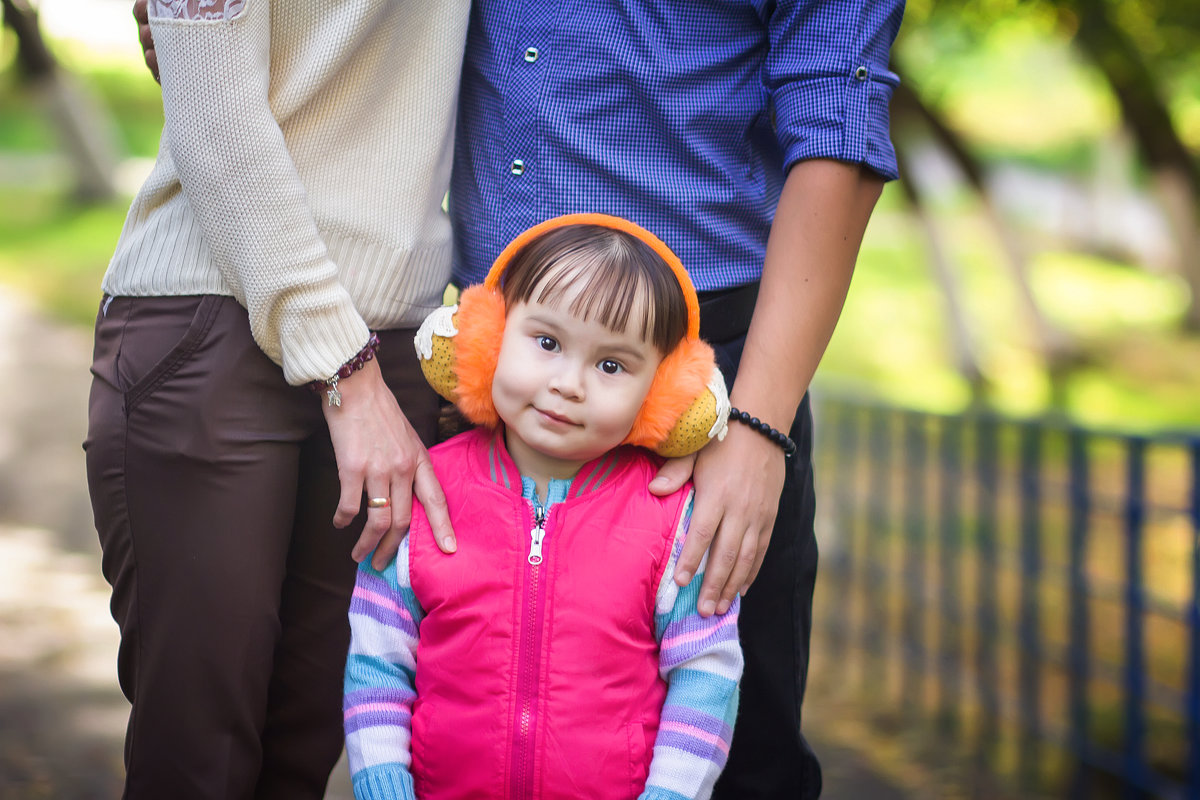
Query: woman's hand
(379, 453)
(738, 483)
(142, 15)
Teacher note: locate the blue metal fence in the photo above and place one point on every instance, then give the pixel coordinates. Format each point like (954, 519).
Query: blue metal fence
(1029, 589)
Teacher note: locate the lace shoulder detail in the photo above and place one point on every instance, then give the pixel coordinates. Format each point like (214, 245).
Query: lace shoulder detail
(196, 9)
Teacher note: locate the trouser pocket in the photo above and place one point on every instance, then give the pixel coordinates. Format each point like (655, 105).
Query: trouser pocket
(142, 341)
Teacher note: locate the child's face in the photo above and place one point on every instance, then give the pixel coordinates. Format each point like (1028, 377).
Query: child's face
(568, 390)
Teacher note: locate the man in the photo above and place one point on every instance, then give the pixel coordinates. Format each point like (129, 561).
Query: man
(752, 137)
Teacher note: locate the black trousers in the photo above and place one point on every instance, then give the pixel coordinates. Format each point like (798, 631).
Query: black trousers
(769, 757)
(214, 484)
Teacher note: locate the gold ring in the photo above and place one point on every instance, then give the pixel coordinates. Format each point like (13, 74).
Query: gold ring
(379, 502)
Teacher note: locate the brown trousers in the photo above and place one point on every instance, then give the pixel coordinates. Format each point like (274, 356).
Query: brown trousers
(213, 485)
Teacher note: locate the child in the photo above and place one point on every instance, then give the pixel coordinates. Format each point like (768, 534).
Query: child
(552, 656)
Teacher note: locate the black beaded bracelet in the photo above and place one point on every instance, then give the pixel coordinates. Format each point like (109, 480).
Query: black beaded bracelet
(357, 362)
(778, 437)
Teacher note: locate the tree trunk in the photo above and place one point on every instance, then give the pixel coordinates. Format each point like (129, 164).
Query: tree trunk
(85, 132)
(33, 59)
(962, 338)
(1177, 176)
(1053, 346)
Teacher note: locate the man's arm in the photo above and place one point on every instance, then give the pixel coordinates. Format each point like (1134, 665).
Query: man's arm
(819, 224)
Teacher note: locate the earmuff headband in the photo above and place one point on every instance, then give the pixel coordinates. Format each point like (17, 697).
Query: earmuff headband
(492, 281)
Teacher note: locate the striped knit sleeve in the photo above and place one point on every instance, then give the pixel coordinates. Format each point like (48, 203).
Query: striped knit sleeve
(701, 661)
(379, 689)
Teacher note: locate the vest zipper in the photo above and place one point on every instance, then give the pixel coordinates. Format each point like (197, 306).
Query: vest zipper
(536, 535)
(529, 661)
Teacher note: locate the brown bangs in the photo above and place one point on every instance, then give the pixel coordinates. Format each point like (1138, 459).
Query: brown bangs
(617, 275)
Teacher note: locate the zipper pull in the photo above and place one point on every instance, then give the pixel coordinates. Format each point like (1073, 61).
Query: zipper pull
(535, 535)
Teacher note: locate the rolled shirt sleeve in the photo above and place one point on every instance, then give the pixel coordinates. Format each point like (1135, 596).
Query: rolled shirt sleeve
(829, 80)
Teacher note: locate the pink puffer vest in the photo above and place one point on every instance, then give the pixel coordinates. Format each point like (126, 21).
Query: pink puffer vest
(539, 680)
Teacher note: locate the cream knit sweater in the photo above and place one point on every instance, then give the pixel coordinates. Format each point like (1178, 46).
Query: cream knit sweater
(305, 154)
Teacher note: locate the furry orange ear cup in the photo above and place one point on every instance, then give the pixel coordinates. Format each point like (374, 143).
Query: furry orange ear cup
(459, 347)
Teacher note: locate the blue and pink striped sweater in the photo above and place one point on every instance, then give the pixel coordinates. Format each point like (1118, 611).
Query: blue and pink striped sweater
(699, 658)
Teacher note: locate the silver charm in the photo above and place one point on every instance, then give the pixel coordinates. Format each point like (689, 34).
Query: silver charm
(335, 397)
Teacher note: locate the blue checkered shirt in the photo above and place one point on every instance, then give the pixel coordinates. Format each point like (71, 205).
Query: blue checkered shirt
(681, 115)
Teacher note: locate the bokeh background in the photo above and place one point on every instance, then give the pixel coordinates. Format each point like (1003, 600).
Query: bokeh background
(1038, 268)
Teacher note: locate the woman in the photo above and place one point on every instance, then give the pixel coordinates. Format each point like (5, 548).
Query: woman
(294, 209)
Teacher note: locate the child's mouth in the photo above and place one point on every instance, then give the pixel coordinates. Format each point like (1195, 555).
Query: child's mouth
(557, 418)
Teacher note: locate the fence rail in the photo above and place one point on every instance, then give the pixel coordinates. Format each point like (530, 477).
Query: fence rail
(1030, 589)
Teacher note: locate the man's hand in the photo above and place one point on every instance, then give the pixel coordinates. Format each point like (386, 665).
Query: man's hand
(738, 484)
(379, 453)
(142, 14)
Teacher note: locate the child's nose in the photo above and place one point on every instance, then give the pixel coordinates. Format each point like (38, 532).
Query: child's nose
(568, 380)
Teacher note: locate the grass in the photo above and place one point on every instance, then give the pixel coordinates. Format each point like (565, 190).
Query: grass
(57, 252)
(51, 248)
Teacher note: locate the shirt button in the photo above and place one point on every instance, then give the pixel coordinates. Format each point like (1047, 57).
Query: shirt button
(531, 55)
(860, 74)
(517, 167)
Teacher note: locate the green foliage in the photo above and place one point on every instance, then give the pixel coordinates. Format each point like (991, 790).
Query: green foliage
(125, 89)
(135, 102)
(1100, 299)
(1007, 76)
(23, 126)
(893, 340)
(990, 86)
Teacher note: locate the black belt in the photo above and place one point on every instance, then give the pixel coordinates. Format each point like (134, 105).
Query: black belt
(725, 313)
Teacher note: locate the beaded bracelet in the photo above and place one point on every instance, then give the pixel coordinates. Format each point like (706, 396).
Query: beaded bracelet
(782, 439)
(357, 362)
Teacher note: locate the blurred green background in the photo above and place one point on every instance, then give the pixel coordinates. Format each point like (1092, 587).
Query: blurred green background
(1035, 260)
(1041, 257)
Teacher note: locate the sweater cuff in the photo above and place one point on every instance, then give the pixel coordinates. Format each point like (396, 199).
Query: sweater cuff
(385, 782)
(315, 342)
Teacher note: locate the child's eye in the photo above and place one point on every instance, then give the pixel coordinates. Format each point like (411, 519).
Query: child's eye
(548, 343)
(610, 367)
